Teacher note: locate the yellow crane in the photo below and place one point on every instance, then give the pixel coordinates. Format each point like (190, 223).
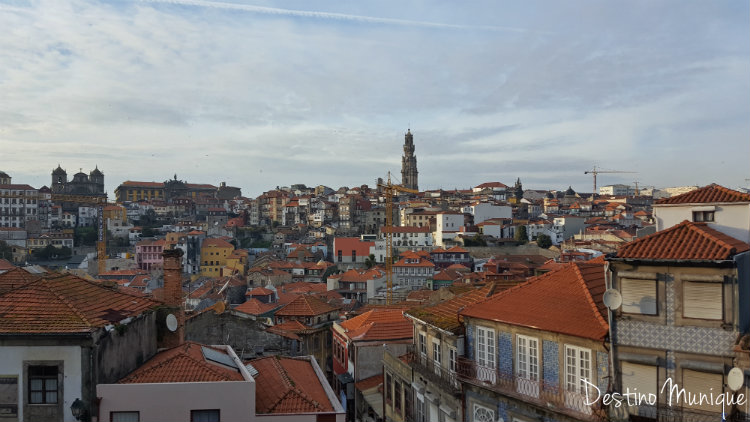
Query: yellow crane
(389, 189)
(596, 171)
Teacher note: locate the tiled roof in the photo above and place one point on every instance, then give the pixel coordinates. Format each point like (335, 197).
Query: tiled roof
(361, 276)
(457, 249)
(566, 301)
(447, 275)
(379, 325)
(349, 244)
(256, 307)
(288, 385)
(444, 315)
(369, 383)
(421, 263)
(305, 305)
(184, 363)
(304, 286)
(712, 193)
(687, 240)
(15, 278)
(6, 265)
(70, 304)
(259, 291)
(215, 242)
(491, 185)
(143, 184)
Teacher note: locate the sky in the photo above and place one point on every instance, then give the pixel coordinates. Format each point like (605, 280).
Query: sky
(261, 94)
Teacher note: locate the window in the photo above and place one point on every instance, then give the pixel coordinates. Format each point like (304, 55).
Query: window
(699, 216)
(577, 368)
(527, 364)
(206, 415)
(408, 399)
(124, 416)
(638, 296)
(697, 382)
(453, 356)
(641, 379)
(397, 396)
(436, 358)
(702, 300)
(423, 344)
(420, 409)
(486, 353)
(483, 414)
(388, 394)
(42, 384)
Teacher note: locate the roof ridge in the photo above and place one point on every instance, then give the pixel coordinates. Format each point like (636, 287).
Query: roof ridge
(701, 229)
(590, 299)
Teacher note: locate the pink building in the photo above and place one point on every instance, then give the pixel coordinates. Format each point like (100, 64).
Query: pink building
(148, 254)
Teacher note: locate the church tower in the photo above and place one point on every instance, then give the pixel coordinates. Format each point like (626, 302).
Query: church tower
(409, 163)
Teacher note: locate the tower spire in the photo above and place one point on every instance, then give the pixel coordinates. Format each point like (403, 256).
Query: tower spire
(409, 173)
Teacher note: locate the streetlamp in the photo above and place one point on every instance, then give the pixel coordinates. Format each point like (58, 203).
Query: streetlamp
(78, 408)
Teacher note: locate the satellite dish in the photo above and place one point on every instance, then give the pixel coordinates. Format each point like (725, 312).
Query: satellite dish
(172, 322)
(220, 307)
(612, 299)
(735, 378)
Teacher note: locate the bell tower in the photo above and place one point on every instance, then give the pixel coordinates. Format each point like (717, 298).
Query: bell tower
(409, 171)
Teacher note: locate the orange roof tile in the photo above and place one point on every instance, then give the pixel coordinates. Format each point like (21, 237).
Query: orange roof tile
(71, 305)
(457, 249)
(305, 305)
(566, 301)
(421, 263)
(183, 363)
(15, 278)
(707, 194)
(259, 291)
(256, 307)
(687, 240)
(379, 325)
(288, 385)
(369, 383)
(444, 315)
(6, 265)
(216, 242)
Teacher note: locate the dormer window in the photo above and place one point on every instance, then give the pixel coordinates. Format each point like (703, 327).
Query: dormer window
(701, 216)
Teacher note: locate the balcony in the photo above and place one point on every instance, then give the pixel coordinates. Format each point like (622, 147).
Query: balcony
(432, 371)
(549, 397)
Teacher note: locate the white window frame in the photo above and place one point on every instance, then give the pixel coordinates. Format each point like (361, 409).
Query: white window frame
(578, 367)
(486, 353)
(527, 365)
(453, 357)
(482, 414)
(436, 355)
(423, 343)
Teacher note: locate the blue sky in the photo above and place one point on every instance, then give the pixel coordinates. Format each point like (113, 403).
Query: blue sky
(262, 94)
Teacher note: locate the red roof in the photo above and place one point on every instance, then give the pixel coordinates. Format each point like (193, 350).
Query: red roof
(421, 263)
(491, 185)
(216, 242)
(183, 363)
(70, 304)
(444, 315)
(288, 385)
(712, 193)
(369, 383)
(256, 307)
(567, 301)
(259, 291)
(360, 276)
(379, 325)
(16, 278)
(305, 305)
(6, 265)
(687, 240)
(143, 184)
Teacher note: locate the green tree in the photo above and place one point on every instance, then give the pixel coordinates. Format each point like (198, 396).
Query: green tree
(475, 240)
(370, 261)
(521, 235)
(544, 241)
(85, 236)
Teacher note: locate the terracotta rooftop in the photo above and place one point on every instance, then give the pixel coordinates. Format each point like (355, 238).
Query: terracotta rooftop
(305, 305)
(217, 243)
(355, 275)
(444, 315)
(567, 301)
(259, 291)
(379, 325)
(184, 363)
(15, 278)
(71, 305)
(5, 265)
(288, 385)
(369, 383)
(712, 193)
(685, 241)
(256, 307)
(404, 229)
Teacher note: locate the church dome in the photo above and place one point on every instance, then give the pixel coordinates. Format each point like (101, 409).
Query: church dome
(80, 177)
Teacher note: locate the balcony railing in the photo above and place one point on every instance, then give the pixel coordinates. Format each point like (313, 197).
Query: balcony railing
(433, 371)
(537, 392)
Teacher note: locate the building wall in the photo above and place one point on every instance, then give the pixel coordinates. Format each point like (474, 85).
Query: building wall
(174, 401)
(733, 220)
(12, 364)
(213, 259)
(246, 335)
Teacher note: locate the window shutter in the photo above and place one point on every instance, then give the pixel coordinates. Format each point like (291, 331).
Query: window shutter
(702, 300)
(638, 296)
(640, 377)
(697, 382)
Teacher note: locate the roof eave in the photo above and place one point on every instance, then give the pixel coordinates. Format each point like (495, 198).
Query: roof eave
(689, 262)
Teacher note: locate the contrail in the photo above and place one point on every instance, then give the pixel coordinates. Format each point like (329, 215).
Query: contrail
(332, 16)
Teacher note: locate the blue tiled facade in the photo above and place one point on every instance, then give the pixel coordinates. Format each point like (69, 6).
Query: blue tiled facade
(602, 370)
(551, 363)
(469, 341)
(505, 352)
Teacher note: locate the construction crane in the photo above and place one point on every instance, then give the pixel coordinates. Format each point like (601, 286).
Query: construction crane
(101, 241)
(596, 171)
(389, 189)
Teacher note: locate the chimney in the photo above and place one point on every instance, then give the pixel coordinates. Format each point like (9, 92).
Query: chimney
(173, 295)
